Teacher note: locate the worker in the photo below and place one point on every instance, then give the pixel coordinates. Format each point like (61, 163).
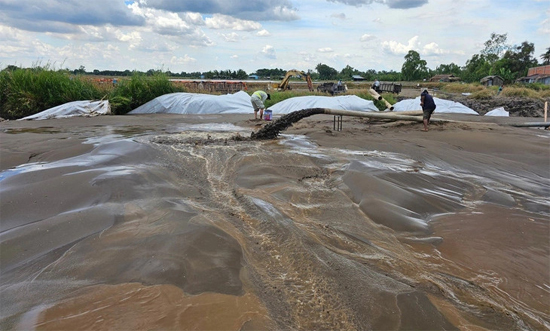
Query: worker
(376, 85)
(258, 98)
(428, 106)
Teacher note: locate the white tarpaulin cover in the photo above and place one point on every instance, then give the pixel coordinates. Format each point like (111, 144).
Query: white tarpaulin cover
(196, 103)
(498, 112)
(71, 109)
(343, 102)
(442, 106)
(239, 103)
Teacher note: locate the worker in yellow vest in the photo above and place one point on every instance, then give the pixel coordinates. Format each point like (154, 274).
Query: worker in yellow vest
(258, 98)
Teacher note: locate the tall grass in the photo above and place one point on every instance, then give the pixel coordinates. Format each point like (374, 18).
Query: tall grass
(24, 92)
(138, 90)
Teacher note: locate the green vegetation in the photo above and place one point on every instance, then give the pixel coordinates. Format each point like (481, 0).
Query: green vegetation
(24, 92)
(138, 90)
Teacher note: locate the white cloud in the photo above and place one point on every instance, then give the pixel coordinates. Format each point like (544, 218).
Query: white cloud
(269, 52)
(231, 37)
(367, 37)
(263, 33)
(433, 49)
(227, 22)
(325, 50)
(171, 24)
(182, 60)
(394, 47)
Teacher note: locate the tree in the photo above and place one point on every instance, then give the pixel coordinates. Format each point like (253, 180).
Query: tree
(326, 72)
(546, 57)
(414, 67)
(495, 47)
(347, 72)
(519, 59)
(476, 68)
(448, 69)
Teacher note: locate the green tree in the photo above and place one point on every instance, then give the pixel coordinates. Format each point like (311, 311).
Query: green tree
(414, 67)
(520, 58)
(476, 68)
(495, 47)
(241, 74)
(546, 57)
(347, 72)
(448, 69)
(326, 72)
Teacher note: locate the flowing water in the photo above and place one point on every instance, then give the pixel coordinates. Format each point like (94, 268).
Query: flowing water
(200, 228)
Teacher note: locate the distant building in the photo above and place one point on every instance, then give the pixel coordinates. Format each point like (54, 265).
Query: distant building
(492, 81)
(444, 78)
(357, 77)
(537, 75)
(253, 77)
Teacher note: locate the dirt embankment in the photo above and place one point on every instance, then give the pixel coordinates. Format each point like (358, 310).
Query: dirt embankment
(516, 106)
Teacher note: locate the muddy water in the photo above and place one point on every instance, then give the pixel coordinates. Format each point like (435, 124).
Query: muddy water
(200, 229)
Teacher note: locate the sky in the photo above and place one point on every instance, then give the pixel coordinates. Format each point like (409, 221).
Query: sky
(204, 35)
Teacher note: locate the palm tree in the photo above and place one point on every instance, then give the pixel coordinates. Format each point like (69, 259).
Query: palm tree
(546, 57)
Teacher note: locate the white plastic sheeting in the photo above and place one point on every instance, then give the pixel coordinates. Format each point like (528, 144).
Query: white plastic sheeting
(71, 109)
(442, 106)
(344, 102)
(239, 103)
(498, 112)
(196, 103)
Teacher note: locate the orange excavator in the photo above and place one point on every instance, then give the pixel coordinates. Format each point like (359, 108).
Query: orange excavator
(284, 84)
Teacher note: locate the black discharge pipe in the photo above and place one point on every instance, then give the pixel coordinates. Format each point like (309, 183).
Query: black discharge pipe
(272, 130)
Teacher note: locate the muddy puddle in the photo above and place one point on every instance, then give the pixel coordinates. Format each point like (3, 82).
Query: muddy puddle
(198, 228)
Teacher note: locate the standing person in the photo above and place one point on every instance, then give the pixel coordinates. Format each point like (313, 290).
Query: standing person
(376, 85)
(428, 107)
(257, 99)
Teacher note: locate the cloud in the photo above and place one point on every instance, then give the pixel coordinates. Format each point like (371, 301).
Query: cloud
(182, 60)
(271, 10)
(433, 49)
(269, 52)
(263, 33)
(227, 22)
(340, 16)
(367, 37)
(231, 37)
(394, 4)
(325, 50)
(62, 16)
(171, 24)
(396, 48)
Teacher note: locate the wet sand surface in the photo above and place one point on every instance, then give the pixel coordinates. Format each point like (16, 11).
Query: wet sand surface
(173, 222)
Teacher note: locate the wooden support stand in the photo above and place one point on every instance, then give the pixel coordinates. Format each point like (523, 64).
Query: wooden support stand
(337, 125)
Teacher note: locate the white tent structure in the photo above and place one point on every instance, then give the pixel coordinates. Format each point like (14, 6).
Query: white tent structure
(443, 106)
(72, 109)
(196, 103)
(344, 102)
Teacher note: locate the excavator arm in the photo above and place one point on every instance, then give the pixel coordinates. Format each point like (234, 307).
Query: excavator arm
(284, 84)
